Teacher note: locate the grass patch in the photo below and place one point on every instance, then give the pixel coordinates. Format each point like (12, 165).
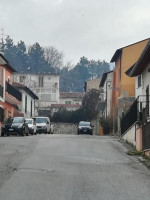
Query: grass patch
(135, 153)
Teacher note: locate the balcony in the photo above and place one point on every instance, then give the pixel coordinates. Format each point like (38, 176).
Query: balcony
(1, 91)
(13, 92)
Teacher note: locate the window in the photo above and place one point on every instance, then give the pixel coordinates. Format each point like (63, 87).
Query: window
(67, 102)
(9, 114)
(21, 79)
(139, 78)
(41, 81)
(8, 79)
(1, 114)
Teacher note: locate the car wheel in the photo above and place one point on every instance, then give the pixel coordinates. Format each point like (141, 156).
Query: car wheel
(2, 134)
(27, 133)
(46, 131)
(8, 134)
(23, 132)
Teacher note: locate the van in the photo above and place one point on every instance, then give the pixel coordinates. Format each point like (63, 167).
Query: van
(43, 125)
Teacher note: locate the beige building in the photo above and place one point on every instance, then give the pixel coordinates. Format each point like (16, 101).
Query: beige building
(92, 84)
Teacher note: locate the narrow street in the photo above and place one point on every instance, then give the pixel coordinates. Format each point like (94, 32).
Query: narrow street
(70, 167)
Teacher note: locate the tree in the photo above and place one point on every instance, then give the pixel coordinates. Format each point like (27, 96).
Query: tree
(10, 51)
(36, 60)
(90, 103)
(21, 57)
(53, 57)
(85, 69)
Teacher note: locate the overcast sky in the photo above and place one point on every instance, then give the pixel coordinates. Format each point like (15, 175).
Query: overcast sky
(91, 28)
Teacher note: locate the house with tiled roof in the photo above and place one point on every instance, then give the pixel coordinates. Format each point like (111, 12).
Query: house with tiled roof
(10, 97)
(29, 100)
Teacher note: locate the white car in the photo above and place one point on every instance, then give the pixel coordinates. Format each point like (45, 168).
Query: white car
(31, 125)
(43, 124)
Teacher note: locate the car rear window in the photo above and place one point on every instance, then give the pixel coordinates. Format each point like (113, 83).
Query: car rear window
(40, 120)
(17, 120)
(29, 121)
(84, 124)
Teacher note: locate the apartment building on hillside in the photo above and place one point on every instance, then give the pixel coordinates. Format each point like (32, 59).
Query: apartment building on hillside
(45, 86)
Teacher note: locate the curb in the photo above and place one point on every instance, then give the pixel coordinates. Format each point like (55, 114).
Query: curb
(131, 149)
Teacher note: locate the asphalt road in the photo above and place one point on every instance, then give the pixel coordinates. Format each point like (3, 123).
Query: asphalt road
(65, 167)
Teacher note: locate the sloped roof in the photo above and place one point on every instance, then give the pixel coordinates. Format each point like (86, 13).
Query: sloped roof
(119, 51)
(104, 76)
(25, 88)
(141, 63)
(72, 94)
(7, 63)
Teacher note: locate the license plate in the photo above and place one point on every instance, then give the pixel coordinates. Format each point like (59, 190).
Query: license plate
(11, 129)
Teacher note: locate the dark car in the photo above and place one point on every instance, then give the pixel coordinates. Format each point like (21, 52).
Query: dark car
(85, 128)
(15, 125)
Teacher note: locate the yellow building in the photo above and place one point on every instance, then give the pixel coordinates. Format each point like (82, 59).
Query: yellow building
(124, 86)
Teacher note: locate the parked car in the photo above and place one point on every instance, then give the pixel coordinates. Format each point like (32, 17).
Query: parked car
(85, 128)
(15, 125)
(32, 125)
(43, 125)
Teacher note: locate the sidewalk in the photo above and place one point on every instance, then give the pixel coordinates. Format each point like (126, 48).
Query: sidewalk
(132, 152)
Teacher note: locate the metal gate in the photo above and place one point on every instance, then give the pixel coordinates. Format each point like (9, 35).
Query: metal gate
(146, 136)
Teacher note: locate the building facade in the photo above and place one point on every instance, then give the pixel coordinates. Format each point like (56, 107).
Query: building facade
(29, 100)
(10, 97)
(123, 87)
(106, 86)
(92, 84)
(45, 86)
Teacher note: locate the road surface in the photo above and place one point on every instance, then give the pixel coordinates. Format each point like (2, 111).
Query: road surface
(67, 167)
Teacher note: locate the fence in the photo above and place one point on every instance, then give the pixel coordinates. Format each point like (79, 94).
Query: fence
(130, 118)
(13, 91)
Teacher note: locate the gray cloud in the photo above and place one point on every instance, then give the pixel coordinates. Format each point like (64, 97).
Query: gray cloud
(91, 28)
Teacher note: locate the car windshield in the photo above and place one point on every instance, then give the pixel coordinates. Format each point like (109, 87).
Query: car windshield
(40, 120)
(29, 121)
(8, 120)
(17, 120)
(84, 124)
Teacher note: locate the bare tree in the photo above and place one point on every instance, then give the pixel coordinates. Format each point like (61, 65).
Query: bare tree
(53, 57)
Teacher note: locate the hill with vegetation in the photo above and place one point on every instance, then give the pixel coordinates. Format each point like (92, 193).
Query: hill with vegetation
(38, 59)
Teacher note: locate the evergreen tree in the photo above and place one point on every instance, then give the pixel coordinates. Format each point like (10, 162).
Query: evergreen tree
(36, 60)
(10, 51)
(21, 57)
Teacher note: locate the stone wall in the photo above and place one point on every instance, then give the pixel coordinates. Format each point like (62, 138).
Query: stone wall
(65, 128)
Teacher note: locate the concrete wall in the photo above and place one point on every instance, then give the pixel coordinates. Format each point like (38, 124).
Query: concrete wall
(130, 135)
(65, 128)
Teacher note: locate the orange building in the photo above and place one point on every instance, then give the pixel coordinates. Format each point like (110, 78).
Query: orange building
(10, 98)
(124, 86)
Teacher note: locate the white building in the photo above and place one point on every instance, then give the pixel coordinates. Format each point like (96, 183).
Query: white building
(29, 99)
(106, 85)
(70, 101)
(45, 86)
(72, 98)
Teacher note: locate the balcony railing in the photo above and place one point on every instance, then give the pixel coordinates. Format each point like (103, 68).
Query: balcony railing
(1, 91)
(13, 91)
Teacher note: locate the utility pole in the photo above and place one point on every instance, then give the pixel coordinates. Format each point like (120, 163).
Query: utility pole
(2, 40)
